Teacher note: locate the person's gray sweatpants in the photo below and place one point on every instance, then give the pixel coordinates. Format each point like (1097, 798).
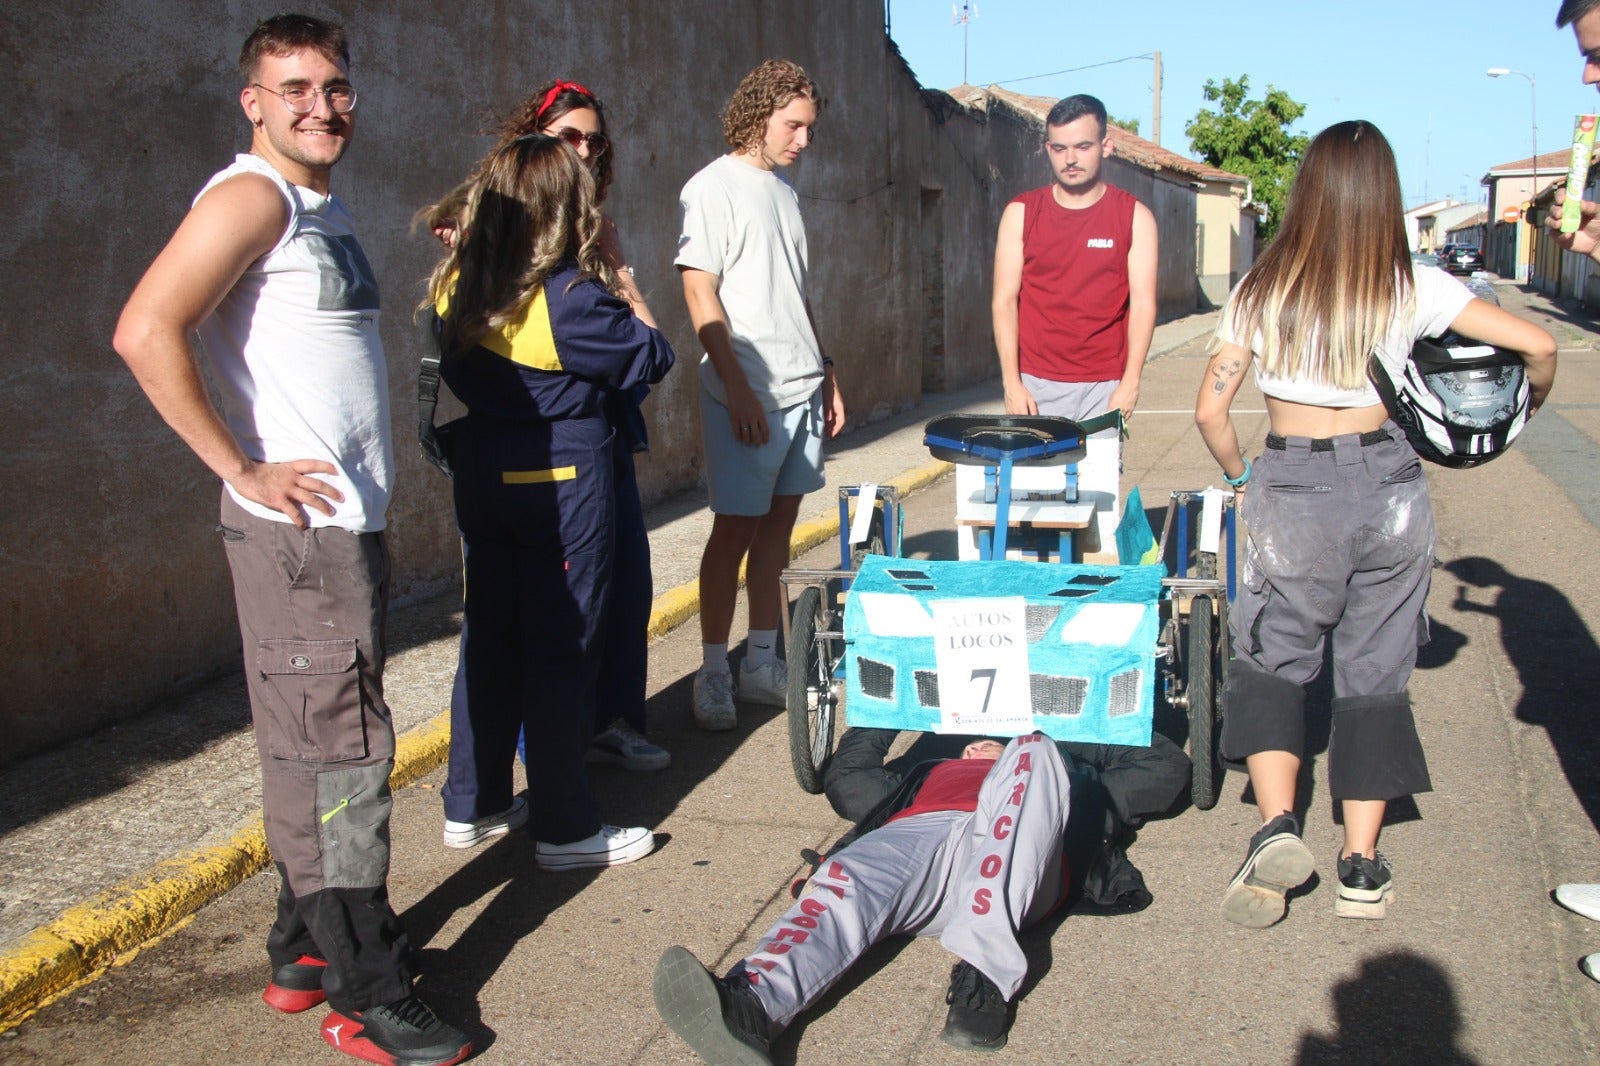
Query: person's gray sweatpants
(970, 879)
(1341, 547)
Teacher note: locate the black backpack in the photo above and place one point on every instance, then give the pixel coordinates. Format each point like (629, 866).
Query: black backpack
(1459, 403)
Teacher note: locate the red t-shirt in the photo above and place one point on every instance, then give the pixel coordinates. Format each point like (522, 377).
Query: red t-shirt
(1072, 313)
(951, 786)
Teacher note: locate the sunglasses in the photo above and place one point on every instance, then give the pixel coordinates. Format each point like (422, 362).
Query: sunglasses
(598, 145)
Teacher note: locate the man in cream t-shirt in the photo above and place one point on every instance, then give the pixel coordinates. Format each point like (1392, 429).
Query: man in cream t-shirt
(767, 392)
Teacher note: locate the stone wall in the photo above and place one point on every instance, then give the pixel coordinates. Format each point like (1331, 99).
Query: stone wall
(117, 594)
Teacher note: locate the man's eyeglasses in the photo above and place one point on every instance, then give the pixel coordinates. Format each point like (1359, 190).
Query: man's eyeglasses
(577, 138)
(302, 99)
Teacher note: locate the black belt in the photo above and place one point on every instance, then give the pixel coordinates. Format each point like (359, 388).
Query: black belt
(1325, 444)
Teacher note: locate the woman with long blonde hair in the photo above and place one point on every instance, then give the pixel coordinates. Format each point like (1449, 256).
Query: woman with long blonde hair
(1341, 530)
(535, 341)
(568, 110)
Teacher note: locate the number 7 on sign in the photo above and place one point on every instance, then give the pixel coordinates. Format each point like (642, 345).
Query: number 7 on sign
(981, 654)
(987, 674)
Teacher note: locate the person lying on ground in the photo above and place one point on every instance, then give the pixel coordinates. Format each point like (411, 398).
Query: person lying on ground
(974, 854)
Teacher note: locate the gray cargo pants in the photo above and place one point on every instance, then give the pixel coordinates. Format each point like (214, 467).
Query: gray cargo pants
(972, 879)
(1340, 545)
(311, 613)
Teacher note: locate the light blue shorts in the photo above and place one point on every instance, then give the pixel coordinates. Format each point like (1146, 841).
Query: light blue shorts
(742, 479)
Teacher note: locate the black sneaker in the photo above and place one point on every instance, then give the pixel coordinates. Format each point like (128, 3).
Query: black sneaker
(720, 1017)
(979, 1018)
(1364, 886)
(1278, 860)
(297, 985)
(404, 1033)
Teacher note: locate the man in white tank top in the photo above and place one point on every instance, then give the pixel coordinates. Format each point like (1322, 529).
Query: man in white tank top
(267, 270)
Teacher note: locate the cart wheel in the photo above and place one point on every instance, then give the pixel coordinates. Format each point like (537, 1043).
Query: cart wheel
(873, 545)
(1201, 691)
(812, 701)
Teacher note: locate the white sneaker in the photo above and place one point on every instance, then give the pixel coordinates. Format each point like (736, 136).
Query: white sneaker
(767, 683)
(1580, 899)
(1590, 965)
(713, 700)
(471, 834)
(622, 745)
(611, 846)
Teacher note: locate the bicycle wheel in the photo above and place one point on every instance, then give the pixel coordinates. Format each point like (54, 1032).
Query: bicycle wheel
(811, 700)
(1201, 691)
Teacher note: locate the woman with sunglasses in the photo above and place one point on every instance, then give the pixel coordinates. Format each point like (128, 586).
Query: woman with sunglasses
(571, 112)
(534, 341)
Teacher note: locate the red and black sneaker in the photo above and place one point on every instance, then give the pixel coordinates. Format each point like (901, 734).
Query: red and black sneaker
(403, 1033)
(296, 986)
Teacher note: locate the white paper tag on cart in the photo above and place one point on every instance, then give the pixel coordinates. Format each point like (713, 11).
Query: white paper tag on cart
(1211, 521)
(861, 521)
(981, 653)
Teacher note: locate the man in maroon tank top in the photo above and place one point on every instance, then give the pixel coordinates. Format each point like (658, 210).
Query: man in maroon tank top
(1074, 279)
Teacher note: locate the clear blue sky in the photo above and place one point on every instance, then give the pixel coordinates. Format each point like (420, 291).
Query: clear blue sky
(1415, 69)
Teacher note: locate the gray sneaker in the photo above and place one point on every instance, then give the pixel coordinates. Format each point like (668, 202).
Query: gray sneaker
(713, 700)
(622, 745)
(1278, 860)
(767, 683)
(719, 1017)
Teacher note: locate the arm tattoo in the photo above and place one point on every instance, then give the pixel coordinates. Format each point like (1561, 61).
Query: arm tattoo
(1224, 371)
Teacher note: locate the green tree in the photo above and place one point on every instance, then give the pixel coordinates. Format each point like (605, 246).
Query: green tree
(1129, 124)
(1251, 137)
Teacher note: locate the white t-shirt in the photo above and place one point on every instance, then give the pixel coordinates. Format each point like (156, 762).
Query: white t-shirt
(1436, 301)
(297, 360)
(743, 224)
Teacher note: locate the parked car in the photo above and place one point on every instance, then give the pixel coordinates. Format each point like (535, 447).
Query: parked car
(1462, 259)
(1426, 259)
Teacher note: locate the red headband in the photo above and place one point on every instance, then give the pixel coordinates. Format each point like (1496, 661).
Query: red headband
(556, 90)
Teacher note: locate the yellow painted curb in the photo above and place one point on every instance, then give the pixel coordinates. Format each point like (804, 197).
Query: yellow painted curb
(87, 938)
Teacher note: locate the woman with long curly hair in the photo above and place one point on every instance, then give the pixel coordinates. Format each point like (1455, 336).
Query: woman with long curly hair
(1341, 531)
(535, 341)
(568, 110)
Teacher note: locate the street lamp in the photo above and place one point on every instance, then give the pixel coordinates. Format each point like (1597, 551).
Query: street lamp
(1533, 90)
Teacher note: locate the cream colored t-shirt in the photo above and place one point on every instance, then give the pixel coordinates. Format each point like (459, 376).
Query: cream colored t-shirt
(743, 224)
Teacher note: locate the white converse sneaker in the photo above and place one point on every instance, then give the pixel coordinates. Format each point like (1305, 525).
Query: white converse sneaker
(713, 700)
(471, 834)
(611, 846)
(622, 745)
(767, 683)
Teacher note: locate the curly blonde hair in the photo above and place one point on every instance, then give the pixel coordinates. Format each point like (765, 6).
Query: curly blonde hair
(764, 91)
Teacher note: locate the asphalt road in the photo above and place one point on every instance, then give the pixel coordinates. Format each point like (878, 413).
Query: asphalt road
(1474, 965)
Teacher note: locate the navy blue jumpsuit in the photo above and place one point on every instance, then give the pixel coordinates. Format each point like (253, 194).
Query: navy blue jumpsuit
(535, 505)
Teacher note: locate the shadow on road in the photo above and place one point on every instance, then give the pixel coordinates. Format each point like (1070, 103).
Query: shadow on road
(1556, 659)
(1399, 1008)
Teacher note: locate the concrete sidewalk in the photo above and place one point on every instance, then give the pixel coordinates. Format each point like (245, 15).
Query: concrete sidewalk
(112, 840)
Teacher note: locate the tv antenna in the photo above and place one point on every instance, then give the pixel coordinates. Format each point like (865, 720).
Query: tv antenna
(962, 15)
